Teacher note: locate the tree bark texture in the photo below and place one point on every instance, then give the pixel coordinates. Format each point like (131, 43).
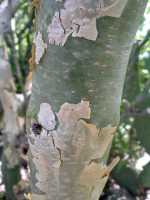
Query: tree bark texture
(10, 128)
(75, 104)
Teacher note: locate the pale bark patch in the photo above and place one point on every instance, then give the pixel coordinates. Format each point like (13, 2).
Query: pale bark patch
(40, 47)
(71, 154)
(78, 18)
(46, 117)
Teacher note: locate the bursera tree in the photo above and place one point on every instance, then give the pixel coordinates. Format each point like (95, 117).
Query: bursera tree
(77, 87)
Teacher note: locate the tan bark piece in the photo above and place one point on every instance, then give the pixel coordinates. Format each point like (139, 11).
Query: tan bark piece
(67, 154)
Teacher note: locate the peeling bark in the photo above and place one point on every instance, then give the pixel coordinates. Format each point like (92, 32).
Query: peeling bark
(79, 19)
(72, 154)
(72, 140)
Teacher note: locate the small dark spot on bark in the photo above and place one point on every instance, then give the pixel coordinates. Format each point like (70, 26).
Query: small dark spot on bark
(36, 128)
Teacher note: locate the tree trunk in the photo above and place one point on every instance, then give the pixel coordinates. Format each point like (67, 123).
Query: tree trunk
(10, 157)
(10, 128)
(75, 103)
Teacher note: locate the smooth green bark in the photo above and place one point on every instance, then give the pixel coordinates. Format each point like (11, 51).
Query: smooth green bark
(84, 69)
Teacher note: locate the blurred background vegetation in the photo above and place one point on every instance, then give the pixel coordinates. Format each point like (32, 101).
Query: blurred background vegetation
(131, 178)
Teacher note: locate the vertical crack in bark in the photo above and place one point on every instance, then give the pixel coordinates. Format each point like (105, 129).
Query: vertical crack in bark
(68, 160)
(60, 156)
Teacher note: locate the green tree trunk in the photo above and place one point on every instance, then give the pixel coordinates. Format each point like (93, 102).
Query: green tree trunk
(81, 84)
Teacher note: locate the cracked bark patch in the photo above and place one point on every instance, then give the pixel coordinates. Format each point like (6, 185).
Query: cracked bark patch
(78, 18)
(68, 157)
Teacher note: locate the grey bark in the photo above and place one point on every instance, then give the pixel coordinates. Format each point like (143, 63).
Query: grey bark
(81, 70)
(10, 128)
(7, 10)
